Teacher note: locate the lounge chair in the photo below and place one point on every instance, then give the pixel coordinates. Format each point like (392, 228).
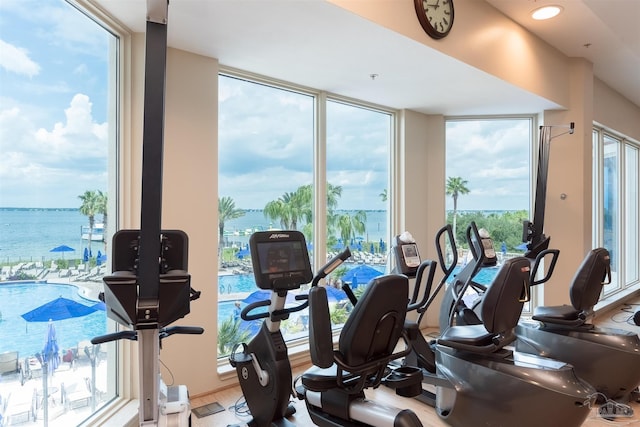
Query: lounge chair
(20, 406)
(76, 394)
(30, 369)
(9, 362)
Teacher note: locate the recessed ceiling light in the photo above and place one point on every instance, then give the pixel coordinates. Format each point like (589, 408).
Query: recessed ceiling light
(546, 12)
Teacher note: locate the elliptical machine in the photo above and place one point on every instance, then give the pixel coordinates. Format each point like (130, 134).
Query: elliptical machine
(607, 358)
(281, 264)
(478, 380)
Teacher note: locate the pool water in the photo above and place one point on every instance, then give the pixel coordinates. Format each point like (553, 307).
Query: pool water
(29, 337)
(484, 277)
(235, 283)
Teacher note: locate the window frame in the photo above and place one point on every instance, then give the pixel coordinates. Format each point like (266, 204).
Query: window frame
(537, 292)
(620, 284)
(123, 373)
(299, 346)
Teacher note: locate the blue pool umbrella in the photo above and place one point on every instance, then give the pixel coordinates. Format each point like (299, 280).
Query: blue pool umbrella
(62, 249)
(363, 274)
(99, 306)
(51, 351)
(49, 359)
(242, 253)
(335, 294)
(58, 309)
(85, 256)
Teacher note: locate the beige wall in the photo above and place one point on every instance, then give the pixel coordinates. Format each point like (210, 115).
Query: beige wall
(483, 38)
(614, 111)
(421, 179)
(189, 200)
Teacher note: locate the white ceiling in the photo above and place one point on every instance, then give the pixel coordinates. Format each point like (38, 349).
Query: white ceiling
(322, 46)
(606, 32)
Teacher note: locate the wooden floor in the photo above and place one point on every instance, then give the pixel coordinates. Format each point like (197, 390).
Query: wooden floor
(229, 398)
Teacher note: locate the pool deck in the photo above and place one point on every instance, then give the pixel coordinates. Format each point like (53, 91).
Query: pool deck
(24, 400)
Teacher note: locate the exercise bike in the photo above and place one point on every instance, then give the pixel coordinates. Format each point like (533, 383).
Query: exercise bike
(280, 264)
(478, 379)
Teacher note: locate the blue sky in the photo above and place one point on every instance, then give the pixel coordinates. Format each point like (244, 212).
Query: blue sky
(53, 105)
(493, 156)
(53, 129)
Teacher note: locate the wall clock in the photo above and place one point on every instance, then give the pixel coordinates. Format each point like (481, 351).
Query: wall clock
(435, 16)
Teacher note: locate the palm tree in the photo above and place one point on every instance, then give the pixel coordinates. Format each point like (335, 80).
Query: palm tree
(291, 208)
(226, 211)
(229, 334)
(89, 207)
(456, 186)
(383, 195)
(350, 225)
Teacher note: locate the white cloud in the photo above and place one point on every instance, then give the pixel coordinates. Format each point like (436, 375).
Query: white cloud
(51, 167)
(16, 60)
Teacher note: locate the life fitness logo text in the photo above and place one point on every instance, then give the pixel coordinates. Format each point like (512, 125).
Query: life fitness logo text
(279, 236)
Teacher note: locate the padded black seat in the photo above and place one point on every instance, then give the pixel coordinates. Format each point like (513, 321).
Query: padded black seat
(585, 290)
(366, 342)
(334, 388)
(500, 311)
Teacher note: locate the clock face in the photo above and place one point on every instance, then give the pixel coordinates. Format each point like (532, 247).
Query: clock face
(435, 16)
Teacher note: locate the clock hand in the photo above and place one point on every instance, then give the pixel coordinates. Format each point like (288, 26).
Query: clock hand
(435, 6)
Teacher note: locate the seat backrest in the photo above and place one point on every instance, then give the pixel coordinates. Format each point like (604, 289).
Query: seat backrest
(593, 273)
(376, 322)
(503, 301)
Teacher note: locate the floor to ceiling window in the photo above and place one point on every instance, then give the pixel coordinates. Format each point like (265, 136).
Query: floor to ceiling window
(57, 121)
(277, 154)
(616, 181)
(488, 180)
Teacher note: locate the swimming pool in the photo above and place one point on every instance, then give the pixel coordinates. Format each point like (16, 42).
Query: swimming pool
(238, 283)
(28, 338)
(484, 277)
(235, 283)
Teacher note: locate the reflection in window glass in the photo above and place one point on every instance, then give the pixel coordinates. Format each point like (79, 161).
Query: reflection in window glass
(264, 182)
(611, 208)
(615, 212)
(632, 219)
(55, 116)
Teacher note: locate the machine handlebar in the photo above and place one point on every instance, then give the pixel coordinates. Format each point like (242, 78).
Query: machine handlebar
(283, 313)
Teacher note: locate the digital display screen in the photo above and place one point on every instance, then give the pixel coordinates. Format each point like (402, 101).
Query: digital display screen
(281, 257)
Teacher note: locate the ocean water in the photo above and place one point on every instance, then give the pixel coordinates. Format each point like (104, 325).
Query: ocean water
(30, 234)
(238, 230)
